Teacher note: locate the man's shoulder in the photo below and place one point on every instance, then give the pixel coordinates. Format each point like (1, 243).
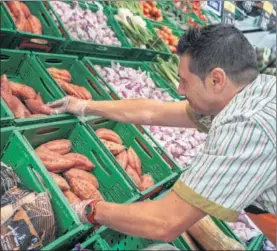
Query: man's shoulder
(255, 101)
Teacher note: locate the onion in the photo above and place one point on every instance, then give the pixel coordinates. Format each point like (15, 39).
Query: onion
(85, 24)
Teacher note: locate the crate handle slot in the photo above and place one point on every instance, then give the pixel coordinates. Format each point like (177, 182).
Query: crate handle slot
(94, 86)
(53, 61)
(101, 48)
(98, 121)
(144, 147)
(46, 131)
(45, 19)
(46, 87)
(4, 57)
(101, 162)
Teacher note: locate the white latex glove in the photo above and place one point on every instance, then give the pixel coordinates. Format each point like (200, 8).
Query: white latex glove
(69, 104)
(80, 209)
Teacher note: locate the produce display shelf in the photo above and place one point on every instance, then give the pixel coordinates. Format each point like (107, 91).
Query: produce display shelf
(7, 33)
(140, 54)
(19, 66)
(51, 39)
(35, 178)
(6, 115)
(152, 163)
(112, 185)
(80, 74)
(112, 240)
(159, 81)
(81, 48)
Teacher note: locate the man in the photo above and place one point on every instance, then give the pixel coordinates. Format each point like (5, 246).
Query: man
(227, 98)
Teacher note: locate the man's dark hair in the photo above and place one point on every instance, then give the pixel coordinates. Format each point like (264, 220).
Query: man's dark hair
(221, 46)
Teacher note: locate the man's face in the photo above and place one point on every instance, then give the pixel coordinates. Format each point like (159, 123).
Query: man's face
(199, 94)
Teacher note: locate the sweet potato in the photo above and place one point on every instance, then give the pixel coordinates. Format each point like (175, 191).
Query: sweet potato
(113, 147)
(60, 74)
(146, 182)
(84, 189)
(108, 135)
(16, 106)
(80, 160)
(122, 158)
(81, 174)
(35, 24)
(5, 87)
(25, 10)
(36, 106)
(15, 8)
(71, 197)
(22, 91)
(61, 182)
(60, 146)
(58, 165)
(133, 174)
(134, 160)
(28, 27)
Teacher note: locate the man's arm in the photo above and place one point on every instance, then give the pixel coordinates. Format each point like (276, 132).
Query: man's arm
(133, 111)
(163, 219)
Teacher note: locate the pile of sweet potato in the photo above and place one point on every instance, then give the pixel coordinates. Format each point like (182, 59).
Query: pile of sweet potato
(71, 171)
(127, 158)
(23, 18)
(22, 99)
(63, 79)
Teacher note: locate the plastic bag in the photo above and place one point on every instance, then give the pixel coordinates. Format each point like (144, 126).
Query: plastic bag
(30, 227)
(162, 246)
(8, 178)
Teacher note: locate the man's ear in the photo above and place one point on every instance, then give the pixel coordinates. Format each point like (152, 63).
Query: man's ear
(218, 77)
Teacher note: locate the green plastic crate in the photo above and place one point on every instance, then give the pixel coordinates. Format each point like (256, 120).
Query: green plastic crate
(80, 74)
(20, 67)
(112, 240)
(78, 47)
(6, 115)
(256, 243)
(16, 153)
(159, 81)
(139, 54)
(51, 39)
(152, 163)
(8, 33)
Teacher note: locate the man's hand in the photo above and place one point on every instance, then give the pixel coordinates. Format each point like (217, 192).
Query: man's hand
(69, 104)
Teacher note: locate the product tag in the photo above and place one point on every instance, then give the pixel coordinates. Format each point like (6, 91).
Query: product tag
(265, 18)
(228, 12)
(215, 7)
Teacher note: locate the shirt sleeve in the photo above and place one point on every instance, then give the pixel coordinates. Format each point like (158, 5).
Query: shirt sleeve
(203, 122)
(235, 167)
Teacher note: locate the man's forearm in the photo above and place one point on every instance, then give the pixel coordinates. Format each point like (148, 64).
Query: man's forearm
(142, 112)
(163, 219)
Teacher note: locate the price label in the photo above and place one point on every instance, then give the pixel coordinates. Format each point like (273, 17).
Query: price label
(230, 6)
(263, 22)
(268, 7)
(228, 12)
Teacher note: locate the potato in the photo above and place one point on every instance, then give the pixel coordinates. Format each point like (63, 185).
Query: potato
(146, 182)
(81, 174)
(61, 146)
(84, 189)
(81, 161)
(71, 197)
(108, 135)
(61, 182)
(134, 161)
(113, 147)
